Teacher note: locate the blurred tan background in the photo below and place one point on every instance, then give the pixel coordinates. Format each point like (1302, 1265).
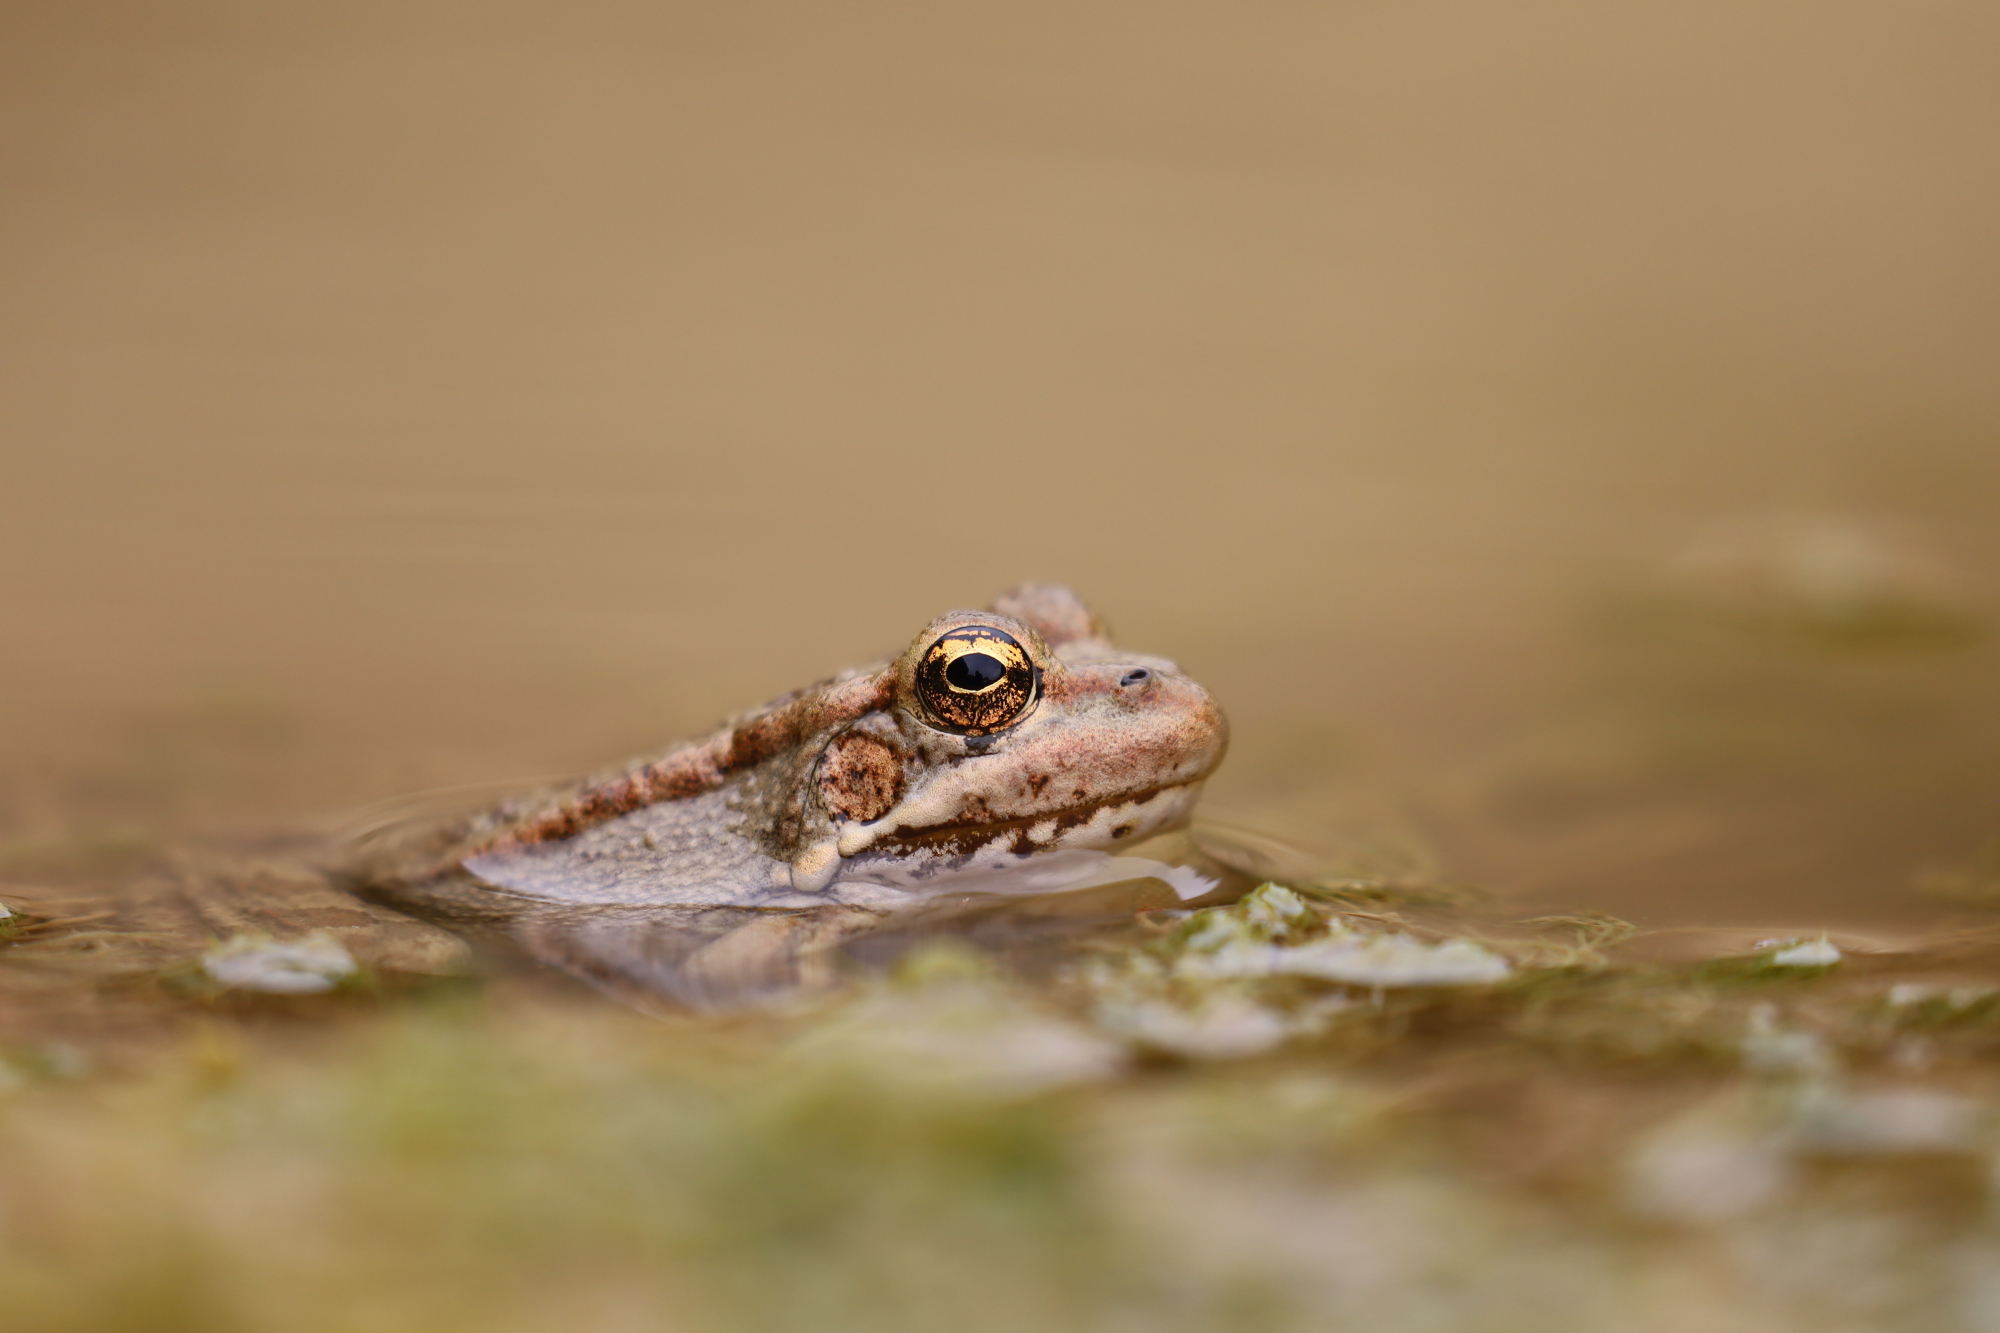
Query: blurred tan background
(1566, 436)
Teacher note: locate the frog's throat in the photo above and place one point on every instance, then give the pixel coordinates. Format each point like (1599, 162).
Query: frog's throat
(920, 825)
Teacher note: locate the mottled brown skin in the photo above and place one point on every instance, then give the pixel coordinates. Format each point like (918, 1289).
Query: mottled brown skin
(870, 775)
(860, 778)
(773, 731)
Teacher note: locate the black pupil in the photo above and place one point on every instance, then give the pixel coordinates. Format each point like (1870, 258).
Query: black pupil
(975, 672)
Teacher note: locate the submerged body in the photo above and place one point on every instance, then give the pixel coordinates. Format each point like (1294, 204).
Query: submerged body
(997, 742)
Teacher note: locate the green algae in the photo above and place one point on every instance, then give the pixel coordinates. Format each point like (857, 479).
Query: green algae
(500, 1161)
(1598, 1139)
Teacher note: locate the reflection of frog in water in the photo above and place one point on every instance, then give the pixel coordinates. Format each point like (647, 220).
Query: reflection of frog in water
(999, 743)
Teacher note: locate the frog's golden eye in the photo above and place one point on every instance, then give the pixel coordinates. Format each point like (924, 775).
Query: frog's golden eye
(975, 680)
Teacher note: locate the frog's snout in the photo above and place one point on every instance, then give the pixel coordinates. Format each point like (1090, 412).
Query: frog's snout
(1154, 726)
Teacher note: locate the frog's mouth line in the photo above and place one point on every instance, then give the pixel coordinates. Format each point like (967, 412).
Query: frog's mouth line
(965, 838)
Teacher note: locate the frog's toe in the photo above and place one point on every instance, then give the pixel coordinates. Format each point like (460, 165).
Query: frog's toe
(814, 867)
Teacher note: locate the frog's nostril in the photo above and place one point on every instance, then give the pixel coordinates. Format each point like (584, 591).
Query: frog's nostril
(1136, 676)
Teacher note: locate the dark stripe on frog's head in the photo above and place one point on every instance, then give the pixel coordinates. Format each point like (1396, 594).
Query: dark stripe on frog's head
(964, 837)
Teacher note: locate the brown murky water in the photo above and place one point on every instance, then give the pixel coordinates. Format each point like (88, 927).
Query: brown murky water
(1565, 439)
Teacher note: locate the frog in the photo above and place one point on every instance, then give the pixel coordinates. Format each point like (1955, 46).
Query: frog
(991, 782)
(1000, 739)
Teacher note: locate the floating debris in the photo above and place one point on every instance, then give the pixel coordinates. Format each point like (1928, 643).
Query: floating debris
(1266, 935)
(1830, 1121)
(1381, 961)
(1705, 1168)
(305, 966)
(1952, 999)
(1223, 1026)
(948, 1022)
(1275, 912)
(1226, 1027)
(1268, 912)
(1742, 1150)
(1809, 953)
(1771, 1048)
(1199, 992)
